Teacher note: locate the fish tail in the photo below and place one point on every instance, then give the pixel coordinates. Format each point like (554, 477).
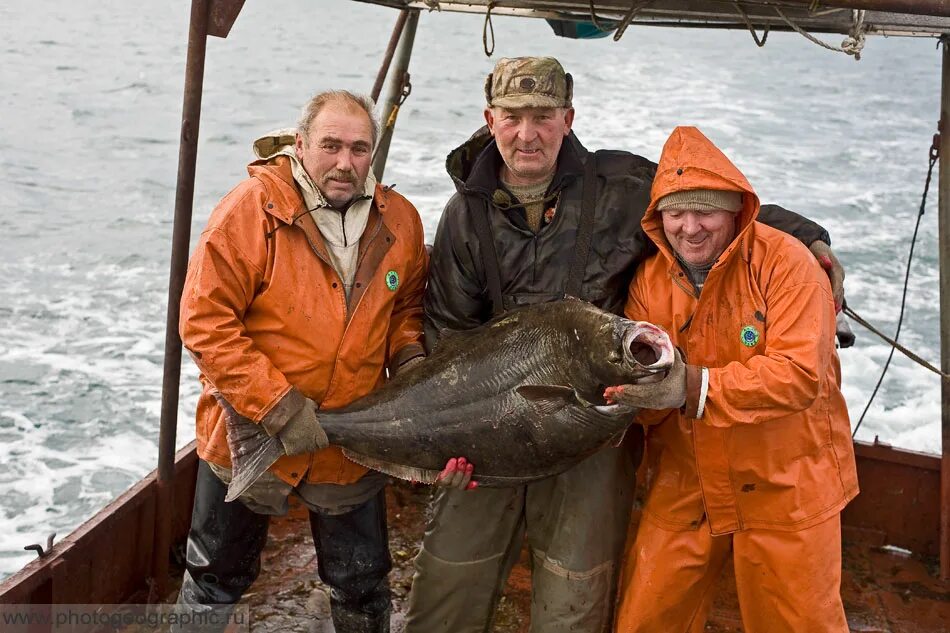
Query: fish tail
(253, 451)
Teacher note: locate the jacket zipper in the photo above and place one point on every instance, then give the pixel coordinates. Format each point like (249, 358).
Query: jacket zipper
(690, 290)
(346, 311)
(359, 262)
(335, 272)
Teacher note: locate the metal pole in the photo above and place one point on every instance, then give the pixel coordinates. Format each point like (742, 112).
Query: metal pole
(181, 237)
(394, 98)
(943, 249)
(388, 55)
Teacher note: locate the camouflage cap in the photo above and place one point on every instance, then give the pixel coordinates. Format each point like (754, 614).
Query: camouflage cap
(529, 82)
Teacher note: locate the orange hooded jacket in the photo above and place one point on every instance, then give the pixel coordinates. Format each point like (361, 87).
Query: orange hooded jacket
(266, 319)
(772, 448)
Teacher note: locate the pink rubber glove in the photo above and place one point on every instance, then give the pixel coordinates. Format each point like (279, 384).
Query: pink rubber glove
(457, 474)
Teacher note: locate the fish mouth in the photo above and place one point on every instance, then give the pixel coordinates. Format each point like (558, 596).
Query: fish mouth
(647, 348)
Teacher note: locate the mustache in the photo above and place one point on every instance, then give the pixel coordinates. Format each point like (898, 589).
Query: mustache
(339, 174)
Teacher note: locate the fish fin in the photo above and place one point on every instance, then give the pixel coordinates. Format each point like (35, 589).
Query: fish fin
(253, 451)
(615, 409)
(408, 473)
(548, 398)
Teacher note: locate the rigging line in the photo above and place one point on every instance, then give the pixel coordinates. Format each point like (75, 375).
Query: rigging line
(635, 9)
(748, 23)
(852, 45)
(894, 344)
(485, 29)
(933, 156)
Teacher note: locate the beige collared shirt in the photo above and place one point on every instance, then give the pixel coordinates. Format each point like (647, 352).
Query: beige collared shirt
(340, 231)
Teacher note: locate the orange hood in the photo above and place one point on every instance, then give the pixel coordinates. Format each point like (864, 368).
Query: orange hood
(692, 161)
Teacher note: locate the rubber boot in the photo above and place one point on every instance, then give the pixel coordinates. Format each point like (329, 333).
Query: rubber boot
(222, 557)
(353, 560)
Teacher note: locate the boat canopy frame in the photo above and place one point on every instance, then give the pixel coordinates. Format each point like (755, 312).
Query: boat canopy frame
(922, 18)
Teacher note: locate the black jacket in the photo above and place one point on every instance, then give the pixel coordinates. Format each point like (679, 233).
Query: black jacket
(534, 267)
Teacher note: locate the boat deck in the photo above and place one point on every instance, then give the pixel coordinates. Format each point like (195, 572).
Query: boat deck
(885, 590)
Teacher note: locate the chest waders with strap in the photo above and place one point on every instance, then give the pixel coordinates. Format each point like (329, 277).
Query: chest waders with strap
(582, 242)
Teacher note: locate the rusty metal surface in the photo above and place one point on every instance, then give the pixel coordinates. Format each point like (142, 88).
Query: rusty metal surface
(181, 232)
(222, 17)
(399, 87)
(181, 235)
(943, 247)
(912, 7)
(388, 55)
(108, 558)
(899, 497)
(883, 17)
(884, 452)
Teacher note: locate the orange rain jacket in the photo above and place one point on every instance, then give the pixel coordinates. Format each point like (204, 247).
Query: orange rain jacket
(266, 320)
(773, 446)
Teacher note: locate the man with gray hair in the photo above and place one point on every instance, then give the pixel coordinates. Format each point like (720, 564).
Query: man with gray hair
(536, 217)
(304, 288)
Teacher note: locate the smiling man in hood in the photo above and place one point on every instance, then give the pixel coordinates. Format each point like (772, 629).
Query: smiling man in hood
(536, 217)
(305, 286)
(748, 437)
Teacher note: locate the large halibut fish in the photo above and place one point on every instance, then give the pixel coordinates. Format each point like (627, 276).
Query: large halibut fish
(520, 397)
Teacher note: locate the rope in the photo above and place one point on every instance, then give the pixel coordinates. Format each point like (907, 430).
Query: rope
(851, 45)
(635, 9)
(894, 344)
(854, 43)
(485, 29)
(748, 23)
(934, 155)
(404, 91)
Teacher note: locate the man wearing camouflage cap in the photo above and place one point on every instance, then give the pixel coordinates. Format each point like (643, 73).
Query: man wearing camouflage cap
(536, 217)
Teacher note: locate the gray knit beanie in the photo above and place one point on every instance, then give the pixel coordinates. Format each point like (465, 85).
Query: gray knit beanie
(702, 200)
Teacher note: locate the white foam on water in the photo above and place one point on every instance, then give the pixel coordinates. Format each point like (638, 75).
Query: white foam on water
(80, 367)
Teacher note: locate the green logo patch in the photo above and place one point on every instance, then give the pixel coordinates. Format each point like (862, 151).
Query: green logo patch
(749, 336)
(392, 280)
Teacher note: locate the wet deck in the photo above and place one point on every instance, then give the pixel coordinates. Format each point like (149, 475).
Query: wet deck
(885, 591)
(288, 596)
